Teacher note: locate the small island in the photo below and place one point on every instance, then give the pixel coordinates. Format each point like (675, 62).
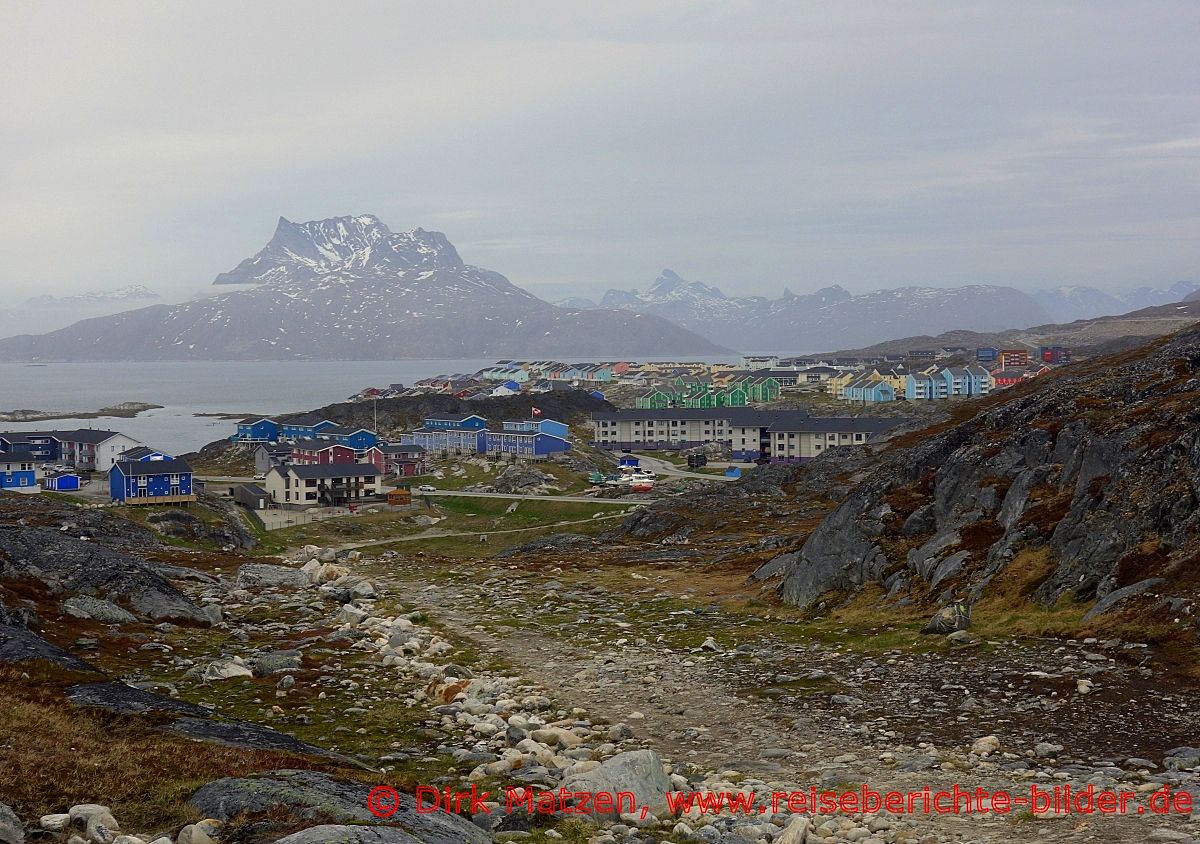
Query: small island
(124, 410)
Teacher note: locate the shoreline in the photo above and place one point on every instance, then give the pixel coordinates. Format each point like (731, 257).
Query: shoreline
(124, 410)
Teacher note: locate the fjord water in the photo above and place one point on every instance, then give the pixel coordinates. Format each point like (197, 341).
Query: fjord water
(185, 389)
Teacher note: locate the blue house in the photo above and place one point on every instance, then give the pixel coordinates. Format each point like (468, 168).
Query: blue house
(472, 421)
(987, 354)
(359, 439)
(521, 443)
(257, 431)
(21, 471)
(542, 426)
(151, 481)
(61, 483)
(866, 391)
(304, 427)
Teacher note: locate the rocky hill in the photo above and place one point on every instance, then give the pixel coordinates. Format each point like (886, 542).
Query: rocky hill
(1083, 486)
(349, 288)
(1086, 336)
(830, 316)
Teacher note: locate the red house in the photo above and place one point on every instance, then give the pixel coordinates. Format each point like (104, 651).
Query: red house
(309, 452)
(399, 459)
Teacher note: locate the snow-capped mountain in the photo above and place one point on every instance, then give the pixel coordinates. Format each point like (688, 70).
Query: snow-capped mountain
(827, 318)
(350, 288)
(48, 312)
(1070, 303)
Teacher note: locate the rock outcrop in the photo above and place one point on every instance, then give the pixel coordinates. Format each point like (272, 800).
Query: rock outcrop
(1090, 477)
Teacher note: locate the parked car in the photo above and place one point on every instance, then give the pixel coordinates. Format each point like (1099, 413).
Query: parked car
(426, 488)
(261, 476)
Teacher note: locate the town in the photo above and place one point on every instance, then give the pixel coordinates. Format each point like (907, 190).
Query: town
(740, 412)
(917, 374)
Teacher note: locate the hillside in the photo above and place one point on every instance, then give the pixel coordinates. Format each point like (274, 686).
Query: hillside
(349, 288)
(1094, 336)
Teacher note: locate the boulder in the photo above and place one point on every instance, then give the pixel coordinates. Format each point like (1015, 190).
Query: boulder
(948, 619)
(226, 669)
(639, 772)
(296, 796)
(106, 612)
(11, 831)
(266, 664)
(347, 834)
(263, 574)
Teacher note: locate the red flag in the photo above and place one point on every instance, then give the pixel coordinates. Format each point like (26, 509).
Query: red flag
(537, 411)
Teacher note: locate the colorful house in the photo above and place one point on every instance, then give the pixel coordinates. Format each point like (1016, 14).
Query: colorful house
(304, 427)
(319, 452)
(529, 438)
(253, 430)
(65, 482)
(869, 391)
(21, 471)
(359, 439)
(151, 482)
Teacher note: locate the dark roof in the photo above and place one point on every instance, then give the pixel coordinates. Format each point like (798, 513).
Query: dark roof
(306, 419)
(333, 470)
(316, 445)
(254, 489)
(138, 452)
(742, 417)
(392, 448)
(454, 418)
(839, 425)
(342, 430)
(91, 436)
(137, 468)
(79, 435)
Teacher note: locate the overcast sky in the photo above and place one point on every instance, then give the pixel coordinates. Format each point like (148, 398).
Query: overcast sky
(576, 146)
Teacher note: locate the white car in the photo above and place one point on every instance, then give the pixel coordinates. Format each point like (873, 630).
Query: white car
(426, 488)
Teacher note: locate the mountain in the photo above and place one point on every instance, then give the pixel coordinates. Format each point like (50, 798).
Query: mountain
(1066, 304)
(350, 288)
(831, 316)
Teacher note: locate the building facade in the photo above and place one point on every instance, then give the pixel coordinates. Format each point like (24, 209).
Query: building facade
(151, 482)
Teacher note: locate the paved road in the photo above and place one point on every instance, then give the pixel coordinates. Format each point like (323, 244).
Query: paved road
(434, 533)
(664, 467)
(456, 493)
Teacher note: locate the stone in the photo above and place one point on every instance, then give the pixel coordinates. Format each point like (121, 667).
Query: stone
(1046, 748)
(639, 772)
(54, 823)
(985, 746)
(97, 609)
(226, 669)
(263, 574)
(949, 619)
(796, 832)
(193, 834)
(11, 831)
(347, 834)
(321, 798)
(266, 664)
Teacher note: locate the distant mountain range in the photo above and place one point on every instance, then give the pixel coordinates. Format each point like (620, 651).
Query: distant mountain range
(48, 312)
(121, 295)
(1066, 304)
(830, 316)
(349, 288)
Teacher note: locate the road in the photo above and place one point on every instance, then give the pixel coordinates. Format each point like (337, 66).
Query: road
(457, 493)
(664, 467)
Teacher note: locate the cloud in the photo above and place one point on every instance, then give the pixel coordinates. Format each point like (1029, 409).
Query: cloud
(748, 144)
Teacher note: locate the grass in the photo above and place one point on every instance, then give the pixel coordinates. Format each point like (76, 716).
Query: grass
(66, 755)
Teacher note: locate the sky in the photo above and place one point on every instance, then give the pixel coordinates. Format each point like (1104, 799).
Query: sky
(580, 146)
